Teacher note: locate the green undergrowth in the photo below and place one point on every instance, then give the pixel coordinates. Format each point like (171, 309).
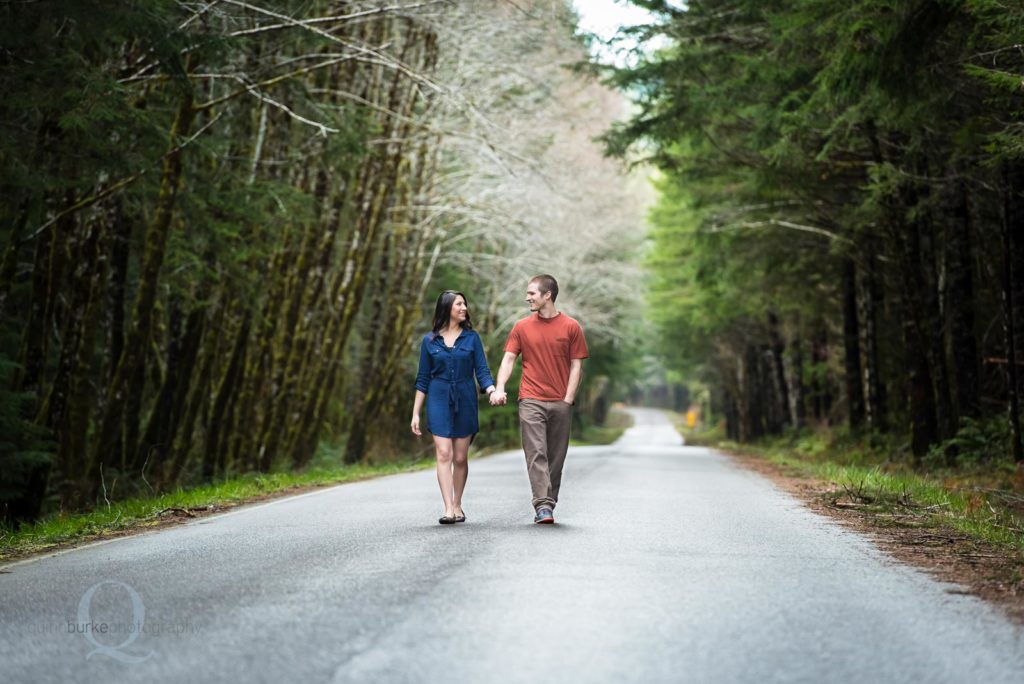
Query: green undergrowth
(141, 512)
(985, 513)
(587, 434)
(597, 435)
(63, 529)
(709, 437)
(977, 491)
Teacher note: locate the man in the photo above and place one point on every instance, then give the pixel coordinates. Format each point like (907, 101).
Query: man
(553, 349)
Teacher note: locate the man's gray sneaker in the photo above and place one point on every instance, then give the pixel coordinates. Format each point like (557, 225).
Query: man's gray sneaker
(545, 516)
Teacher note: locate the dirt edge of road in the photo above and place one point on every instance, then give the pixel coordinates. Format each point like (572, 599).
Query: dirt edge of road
(990, 572)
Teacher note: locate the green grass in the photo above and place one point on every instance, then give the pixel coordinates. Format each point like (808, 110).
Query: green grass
(597, 435)
(977, 501)
(709, 437)
(142, 512)
(706, 437)
(975, 497)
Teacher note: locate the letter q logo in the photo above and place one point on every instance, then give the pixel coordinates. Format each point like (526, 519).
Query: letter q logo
(138, 618)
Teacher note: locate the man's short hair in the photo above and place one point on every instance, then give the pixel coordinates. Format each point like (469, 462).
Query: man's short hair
(546, 283)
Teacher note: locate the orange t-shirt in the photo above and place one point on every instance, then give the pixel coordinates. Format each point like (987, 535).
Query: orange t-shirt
(547, 346)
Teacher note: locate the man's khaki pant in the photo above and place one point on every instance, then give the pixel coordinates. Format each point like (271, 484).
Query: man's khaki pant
(545, 429)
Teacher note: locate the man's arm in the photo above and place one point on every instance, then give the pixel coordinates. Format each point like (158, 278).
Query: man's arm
(508, 362)
(575, 375)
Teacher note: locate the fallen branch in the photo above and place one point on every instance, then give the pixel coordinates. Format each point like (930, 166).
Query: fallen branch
(183, 511)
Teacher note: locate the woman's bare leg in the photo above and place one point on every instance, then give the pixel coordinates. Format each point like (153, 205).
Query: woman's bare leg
(445, 451)
(460, 470)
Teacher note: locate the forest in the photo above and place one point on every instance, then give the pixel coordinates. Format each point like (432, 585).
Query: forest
(838, 239)
(224, 224)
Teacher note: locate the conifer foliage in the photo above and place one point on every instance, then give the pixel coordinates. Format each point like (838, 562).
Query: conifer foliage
(191, 195)
(840, 229)
(221, 223)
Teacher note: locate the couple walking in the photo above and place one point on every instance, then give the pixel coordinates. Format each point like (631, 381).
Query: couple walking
(553, 348)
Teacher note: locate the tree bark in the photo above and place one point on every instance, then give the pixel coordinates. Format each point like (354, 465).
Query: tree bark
(923, 428)
(158, 439)
(960, 298)
(1012, 227)
(777, 375)
(120, 237)
(753, 395)
(851, 346)
(9, 264)
(67, 406)
(933, 328)
(870, 304)
(795, 380)
(822, 394)
(49, 259)
(120, 415)
(215, 448)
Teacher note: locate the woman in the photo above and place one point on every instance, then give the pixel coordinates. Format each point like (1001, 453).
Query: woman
(449, 357)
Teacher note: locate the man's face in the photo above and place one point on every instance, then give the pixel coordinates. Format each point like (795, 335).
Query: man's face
(534, 298)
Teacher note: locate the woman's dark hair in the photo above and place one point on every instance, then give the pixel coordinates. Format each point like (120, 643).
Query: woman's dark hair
(443, 311)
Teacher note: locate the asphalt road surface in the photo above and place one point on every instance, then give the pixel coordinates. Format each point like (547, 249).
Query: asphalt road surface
(667, 564)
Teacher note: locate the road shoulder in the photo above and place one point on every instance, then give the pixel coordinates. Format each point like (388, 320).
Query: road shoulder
(990, 572)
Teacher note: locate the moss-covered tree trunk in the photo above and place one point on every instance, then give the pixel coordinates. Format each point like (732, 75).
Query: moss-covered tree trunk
(124, 394)
(1013, 296)
(69, 403)
(854, 381)
(158, 439)
(870, 302)
(960, 297)
(215, 449)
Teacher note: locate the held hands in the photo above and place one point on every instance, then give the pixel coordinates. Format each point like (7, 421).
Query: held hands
(498, 398)
(415, 425)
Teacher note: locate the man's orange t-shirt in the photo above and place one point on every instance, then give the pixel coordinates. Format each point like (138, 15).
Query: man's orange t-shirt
(547, 346)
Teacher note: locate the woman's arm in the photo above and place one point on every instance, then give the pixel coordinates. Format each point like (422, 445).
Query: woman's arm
(417, 405)
(508, 363)
(422, 385)
(423, 372)
(483, 373)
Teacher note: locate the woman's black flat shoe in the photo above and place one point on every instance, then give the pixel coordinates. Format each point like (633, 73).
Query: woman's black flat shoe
(446, 520)
(459, 518)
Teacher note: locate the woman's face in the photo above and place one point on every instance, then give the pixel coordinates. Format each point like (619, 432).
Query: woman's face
(459, 310)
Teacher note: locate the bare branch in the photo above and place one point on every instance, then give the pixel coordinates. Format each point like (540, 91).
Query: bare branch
(386, 60)
(271, 81)
(124, 182)
(338, 18)
(784, 224)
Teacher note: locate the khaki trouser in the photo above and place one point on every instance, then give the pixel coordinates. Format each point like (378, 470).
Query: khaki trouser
(545, 429)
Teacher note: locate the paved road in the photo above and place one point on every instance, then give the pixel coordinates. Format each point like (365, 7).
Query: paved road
(668, 564)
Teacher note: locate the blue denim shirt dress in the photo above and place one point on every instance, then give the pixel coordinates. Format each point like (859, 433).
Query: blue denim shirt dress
(446, 377)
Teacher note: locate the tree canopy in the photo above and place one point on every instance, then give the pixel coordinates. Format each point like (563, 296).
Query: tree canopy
(838, 229)
(223, 225)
